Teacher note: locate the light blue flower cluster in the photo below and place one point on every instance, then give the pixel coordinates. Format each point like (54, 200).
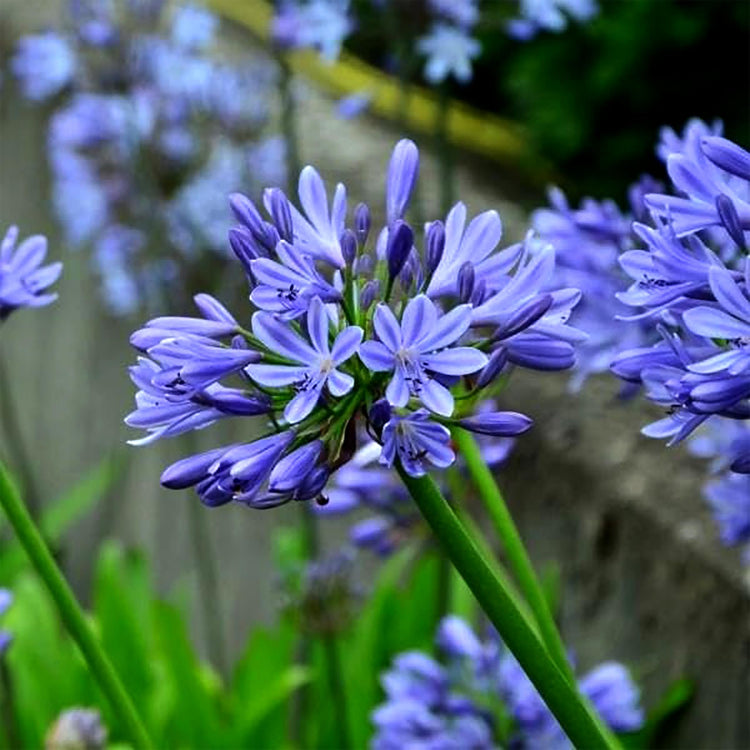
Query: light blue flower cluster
(151, 127)
(322, 25)
(354, 331)
(549, 15)
(691, 284)
(449, 46)
(23, 279)
(477, 696)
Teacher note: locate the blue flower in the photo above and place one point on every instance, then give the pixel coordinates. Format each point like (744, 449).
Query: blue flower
(731, 322)
(23, 278)
(729, 501)
(319, 24)
(417, 349)
(78, 727)
(193, 27)
(416, 441)
(449, 51)
(45, 64)
(316, 363)
(549, 15)
(463, 13)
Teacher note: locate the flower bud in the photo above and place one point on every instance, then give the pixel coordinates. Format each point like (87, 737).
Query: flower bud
(362, 265)
(348, 242)
(729, 218)
(435, 243)
(278, 206)
(466, 281)
(246, 213)
(498, 423)
(362, 222)
(400, 243)
(402, 176)
(493, 368)
(380, 413)
(370, 292)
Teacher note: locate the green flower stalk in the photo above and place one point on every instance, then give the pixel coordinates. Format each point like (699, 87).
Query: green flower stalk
(71, 613)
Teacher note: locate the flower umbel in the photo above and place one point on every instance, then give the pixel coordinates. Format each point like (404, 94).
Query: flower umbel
(349, 338)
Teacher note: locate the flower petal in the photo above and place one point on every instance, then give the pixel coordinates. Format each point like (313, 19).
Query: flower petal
(346, 344)
(437, 398)
(397, 391)
(387, 327)
(418, 320)
(376, 356)
(339, 383)
(448, 329)
(461, 360)
(281, 339)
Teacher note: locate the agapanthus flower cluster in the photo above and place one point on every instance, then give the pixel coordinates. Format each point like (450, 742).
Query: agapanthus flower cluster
(354, 331)
(549, 15)
(691, 283)
(477, 696)
(24, 281)
(151, 125)
(6, 599)
(589, 241)
(77, 729)
(448, 46)
(322, 25)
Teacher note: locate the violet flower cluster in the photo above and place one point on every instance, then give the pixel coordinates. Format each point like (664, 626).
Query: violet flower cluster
(477, 696)
(77, 728)
(24, 281)
(354, 330)
(691, 285)
(151, 127)
(589, 242)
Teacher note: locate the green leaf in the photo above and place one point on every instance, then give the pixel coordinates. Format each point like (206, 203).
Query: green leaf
(671, 703)
(80, 499)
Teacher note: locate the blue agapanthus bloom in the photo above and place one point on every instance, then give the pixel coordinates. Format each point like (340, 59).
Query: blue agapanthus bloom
(153, 127)
(355, 331)
(454, 702)
(6, 599)
(589, 242)
(78, 727)
(728, 498)
(449, 51)
(44, 64)
(24, 281)
(322, 25)
(691, 286)
(549, 15)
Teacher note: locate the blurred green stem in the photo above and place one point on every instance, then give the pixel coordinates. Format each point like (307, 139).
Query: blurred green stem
(208, 585)
(518, 558)
(338, 690)
(71, 613)
(16, 446)
(289, 124)
(445, 153)
(9, 726)
(571, 709)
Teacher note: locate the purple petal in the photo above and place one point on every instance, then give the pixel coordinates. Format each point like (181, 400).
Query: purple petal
(376, 356)
(317, 326)
(418, 320)
(387, 327)
(339, 383)
(279, 338)
(276, 376)
(346, 344)
(712, 323)
(397, 391)
(461, 360)
(437, 398)
(448, 329)
(301, 405)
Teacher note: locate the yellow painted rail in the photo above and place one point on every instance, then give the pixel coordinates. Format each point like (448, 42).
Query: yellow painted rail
(467, 128)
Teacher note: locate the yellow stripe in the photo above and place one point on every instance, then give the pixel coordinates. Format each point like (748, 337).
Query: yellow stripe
(470, 129)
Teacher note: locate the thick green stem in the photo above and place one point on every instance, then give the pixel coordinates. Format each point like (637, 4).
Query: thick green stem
(575, 715)
(518, 558)
(70, 612)
(338, 691)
